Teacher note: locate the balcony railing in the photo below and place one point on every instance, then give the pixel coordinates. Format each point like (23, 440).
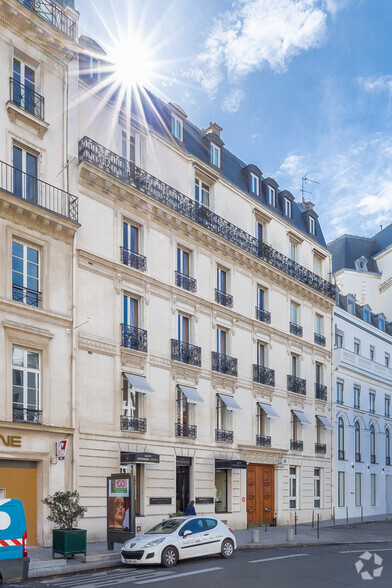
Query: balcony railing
(223, 298)
(320, 391)
(224, 364)
(296, 329)
(263, 375)
(263, 315)
(320, 448)
(133, 338)
(185, 352)
(319, 339)
(387, 461)
(128, 172)
(135, 424)
(263, 441)
(372, 459)
(26, 295)
(185, 282)
(44, 195)
(358, 457)
(27, 99)
(340, 453)
(297, 445)
(189, 431)
(133, 259)
(28, 415)
(224, 436)
(52, 13)
(295, 384)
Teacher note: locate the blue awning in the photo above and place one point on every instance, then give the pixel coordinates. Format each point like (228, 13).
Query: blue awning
(302, 417)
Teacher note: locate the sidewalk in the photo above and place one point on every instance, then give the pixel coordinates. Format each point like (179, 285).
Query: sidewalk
(372, 530)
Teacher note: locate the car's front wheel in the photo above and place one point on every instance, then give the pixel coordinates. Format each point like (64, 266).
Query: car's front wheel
(169, 556)
(227, 548)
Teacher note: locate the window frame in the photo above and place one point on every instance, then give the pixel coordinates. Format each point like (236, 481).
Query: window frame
(358, 488)
(133, 405)
(202, 193)
(271, 195)
(293, 494)
(373, 490)
(177, 127)
(215, 154)
(339, 388)
(254, 184)
(36, 292)
(341, 489)
(26, 371)
(317, 487)
(312, 225)
(287, 207)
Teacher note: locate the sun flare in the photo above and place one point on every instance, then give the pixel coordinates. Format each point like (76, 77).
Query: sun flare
(133, 63)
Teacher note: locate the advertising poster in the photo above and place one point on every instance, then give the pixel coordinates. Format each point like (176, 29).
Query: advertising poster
(118, 497)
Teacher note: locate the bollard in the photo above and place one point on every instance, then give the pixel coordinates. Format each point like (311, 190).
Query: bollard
(318, 525)
(312, 519)
(255, 536)
(346, 514)
(333, 514)
(295, 523)
(361, 514)
(290, 535)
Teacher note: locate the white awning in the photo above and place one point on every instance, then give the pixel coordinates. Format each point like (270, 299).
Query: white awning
(301, 417)
(139, 383)
(192, 395)
(327, 424)
(269, 411)
(231, 404)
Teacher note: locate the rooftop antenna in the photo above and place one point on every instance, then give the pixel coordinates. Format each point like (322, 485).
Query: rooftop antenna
(304, 180)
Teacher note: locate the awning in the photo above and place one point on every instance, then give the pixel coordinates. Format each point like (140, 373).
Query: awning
(327, 424)
(269, 411)
(228, 464)
(231, 404)
(191, 394)
(139, 383)
(301, 417)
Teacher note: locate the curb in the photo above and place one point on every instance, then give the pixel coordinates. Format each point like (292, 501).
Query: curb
(309, 544)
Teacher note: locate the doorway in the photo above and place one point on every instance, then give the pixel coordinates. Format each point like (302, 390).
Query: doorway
(260, 494)
(18, 479)
(182, 483)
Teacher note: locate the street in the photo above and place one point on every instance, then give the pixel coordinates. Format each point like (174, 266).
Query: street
(303, 567)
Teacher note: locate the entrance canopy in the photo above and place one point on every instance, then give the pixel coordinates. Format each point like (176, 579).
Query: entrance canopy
(139, 383)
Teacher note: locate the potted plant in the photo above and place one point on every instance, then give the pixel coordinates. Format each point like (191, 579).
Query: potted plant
(65, 512)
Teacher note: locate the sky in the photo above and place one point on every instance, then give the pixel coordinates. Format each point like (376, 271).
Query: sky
(301, 88)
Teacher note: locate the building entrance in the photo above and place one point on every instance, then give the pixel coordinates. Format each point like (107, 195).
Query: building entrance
(182, 487)
(18, 479)
(260, 494)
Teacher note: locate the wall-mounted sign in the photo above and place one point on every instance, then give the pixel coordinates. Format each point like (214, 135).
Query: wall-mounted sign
(183, 461)
(127, 457)
(204, 500)
(11, 440)
(62, 448)
(228, 464)
(162, 500)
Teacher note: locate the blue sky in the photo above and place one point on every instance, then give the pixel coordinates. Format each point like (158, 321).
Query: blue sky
(300, 87)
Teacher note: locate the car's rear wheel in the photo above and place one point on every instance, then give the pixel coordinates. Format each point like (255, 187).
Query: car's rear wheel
(227, 548)
(169, 556)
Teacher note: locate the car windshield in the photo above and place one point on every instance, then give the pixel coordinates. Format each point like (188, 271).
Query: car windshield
(165, 527)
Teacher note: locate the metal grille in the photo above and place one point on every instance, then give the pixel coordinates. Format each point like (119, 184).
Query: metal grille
(27, 99)
(189, 431)
(133, 259)
(295, 384)
(320, 391)
(223, 298)
(29, 415)
(263, 441)
(263, 375)
(320, 448)
(224, 436)
(224, 363)
(296, 329)
(186, 282)
(138, 425)
(297, 445)
(319, 339)
(133, 338)
(51, 13)
(185, 352)
(263, 315)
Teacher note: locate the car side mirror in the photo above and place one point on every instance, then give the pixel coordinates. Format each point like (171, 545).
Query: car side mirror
(187, 533)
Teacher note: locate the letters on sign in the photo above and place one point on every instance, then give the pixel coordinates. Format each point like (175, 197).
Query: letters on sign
(11, 440)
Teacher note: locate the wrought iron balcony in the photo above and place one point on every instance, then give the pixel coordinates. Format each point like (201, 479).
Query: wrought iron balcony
(133, 338)
(185, 282)
(224, 436)
(133, 259)
(372, 459)
(319, 339)
(295, 384)
(263, 315)
(387, 461)
(340, 453)
(185, 352)
(320, 391)
(358, 457)
(189, 431)
(263, 441)
(44, 195)
(223, 298)
(27, 99)
(28, 415)
(297, 445)
(320, 448)
(296, 329)
(26, 295)
(129, 173)
(135, 424)
(224, 364)
(52, 13)
(263, 375)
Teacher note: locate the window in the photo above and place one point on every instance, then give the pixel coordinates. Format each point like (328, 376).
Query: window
(339, 392)
(260, 298)
(293, 253)
(221, 279)
(358, 488)
(319, 325)
(372, 444)
(294, 365)
(295, 427)
(294, 313)
(176, 127)
(194, 526)
(357, 346)
(132, 402)
(287, 207)
(317, 487)
(357, 397)
(261, 354)
(221, 337)
(221, 490)
(372, 353)
(340, 438)
(183, 409)
(202, 193)
(25, 385)
(25, 274)
(293, 487)
(366, 315)
(373, 489)
(387, 447)
(387, 406)
(223, 415)
(260, 232)
(131, 237)
(271, 196)
(131, 311)
(341, 489)
(338, 339)
(312, 225)
(357, 441)
(132, 147)
(372, 402)
(25, 174)
(182, 261)
(183, 328)
(317, 265)
(261, 421)
(23, 87)
(381, 323)
(387, 360)
(351, 306)
(215, 155)
(319, 373)
(254, 184)
(93, 70)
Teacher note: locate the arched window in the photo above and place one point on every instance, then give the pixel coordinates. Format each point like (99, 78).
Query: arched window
(372, 444)
(340, 438)
(387, 448)
(357, 442)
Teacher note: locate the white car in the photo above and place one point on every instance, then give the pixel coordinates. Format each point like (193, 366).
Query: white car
(179, 538)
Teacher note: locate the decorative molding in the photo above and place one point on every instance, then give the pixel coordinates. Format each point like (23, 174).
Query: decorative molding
(96, 345)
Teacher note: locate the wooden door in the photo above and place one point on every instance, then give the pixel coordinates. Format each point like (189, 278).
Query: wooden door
(260, 493)
(19, 479)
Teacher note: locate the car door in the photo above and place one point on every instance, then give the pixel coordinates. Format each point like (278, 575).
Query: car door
(212, 536)
(192, 545)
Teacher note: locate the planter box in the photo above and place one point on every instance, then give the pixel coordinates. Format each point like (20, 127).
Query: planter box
(69, 541)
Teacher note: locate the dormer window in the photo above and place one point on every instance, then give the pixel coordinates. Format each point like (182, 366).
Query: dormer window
(215, 155)
(254, 184)
(312, 225)
(381, 323)
(271, 196)
(361, 264)
(177, 126)
(287, 207)
(351, 305)
(366, 315)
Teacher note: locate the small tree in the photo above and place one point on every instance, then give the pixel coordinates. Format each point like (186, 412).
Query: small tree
(65, 509)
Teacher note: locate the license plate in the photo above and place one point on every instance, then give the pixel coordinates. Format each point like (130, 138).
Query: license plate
(131, 561)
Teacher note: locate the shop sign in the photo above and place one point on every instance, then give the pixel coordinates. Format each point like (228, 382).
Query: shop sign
(62, 448)
(163, 500)
(204, 500)
(139, 457)
(11, 440)
(230, 464)
(183, 461)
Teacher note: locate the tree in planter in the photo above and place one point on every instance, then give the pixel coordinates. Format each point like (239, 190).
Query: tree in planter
(65, 512)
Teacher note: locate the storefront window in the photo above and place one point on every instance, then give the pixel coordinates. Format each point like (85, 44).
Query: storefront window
(220, 490)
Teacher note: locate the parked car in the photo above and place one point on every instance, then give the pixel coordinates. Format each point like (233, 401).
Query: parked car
(179, 538)
(14, 563)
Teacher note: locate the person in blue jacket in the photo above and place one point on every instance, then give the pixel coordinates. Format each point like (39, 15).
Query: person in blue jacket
(190, 509)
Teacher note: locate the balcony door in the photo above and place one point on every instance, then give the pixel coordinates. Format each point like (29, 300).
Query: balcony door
(23, 86)
(130, 238)
(183, 328)
(221, 341)
(131, 312)
(25, 174)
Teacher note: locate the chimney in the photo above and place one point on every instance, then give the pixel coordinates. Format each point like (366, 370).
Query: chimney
(213, 129)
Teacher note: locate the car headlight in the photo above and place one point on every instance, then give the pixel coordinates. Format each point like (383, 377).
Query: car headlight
(153, 543)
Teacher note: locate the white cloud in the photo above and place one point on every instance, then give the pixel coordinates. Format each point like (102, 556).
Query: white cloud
(292, 166)
(377, 83)
(231, 103)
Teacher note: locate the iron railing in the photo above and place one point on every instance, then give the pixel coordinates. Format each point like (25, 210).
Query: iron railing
(189, 431)
(37, 192)
(29, 415)
(340, 453)
(135, 424)
(185, 282)
(133, 259)
(295, 384)
(223, 298)
(26, 295)
(319, 339)
(263, 315)
(373, 459)
(128, 172)
(297, 445)
(224, 436)
(358, 457)
(263, 375)
(133, 338)
(185, 352)
(263, 441)
(52, 13)
(296, 329)
(27, 99)
(320, 391)
(224, 363)
(320, 448)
